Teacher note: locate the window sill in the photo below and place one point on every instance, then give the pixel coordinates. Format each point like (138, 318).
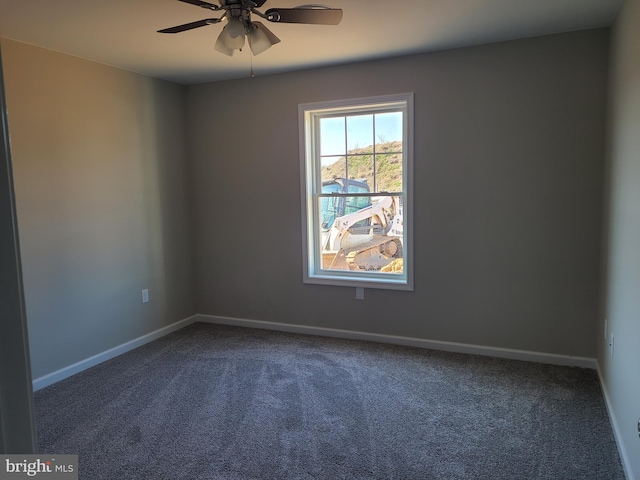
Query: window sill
(354, 281)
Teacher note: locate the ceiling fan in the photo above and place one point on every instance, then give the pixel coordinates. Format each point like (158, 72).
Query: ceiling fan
(237, 13)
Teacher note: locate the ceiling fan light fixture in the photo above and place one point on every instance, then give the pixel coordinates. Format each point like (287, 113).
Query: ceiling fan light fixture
(258, 40)
(233, 33)
(221, 46)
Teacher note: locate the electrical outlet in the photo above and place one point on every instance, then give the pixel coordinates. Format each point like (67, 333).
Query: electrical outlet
(145, 295)
(611, 345)
(359, 293)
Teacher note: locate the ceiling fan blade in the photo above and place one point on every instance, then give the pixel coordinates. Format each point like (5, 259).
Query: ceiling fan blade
(202, 4)
(319, 16)
(259, 3)
(190, 26)
(272, 38)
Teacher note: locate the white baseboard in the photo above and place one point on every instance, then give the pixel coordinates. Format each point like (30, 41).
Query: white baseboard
(622, 450)
(549, 358)
(66, 372)
(565, 360)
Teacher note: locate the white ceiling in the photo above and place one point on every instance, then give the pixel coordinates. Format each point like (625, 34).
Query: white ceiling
(122, 33)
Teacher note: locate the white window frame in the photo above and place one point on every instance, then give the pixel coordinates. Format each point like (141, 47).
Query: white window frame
(310, 179)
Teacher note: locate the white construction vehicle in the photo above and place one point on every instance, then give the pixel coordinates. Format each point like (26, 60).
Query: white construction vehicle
(359, 233)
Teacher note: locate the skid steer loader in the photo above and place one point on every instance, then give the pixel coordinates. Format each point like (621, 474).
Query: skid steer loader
(360, 232)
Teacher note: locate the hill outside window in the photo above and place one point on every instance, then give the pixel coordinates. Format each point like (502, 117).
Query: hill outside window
(356, 173)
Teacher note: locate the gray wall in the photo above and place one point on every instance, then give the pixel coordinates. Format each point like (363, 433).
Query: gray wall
(508, 173)
(621, 281)
(101, 185)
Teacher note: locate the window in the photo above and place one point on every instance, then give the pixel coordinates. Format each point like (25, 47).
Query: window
(356, 188)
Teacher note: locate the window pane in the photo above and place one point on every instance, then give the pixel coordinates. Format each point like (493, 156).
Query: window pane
(389, 173)
(360, 167)
(389, 147)
(388, 132)
(329, 208)
(356, 186)
(333, 207)
(355, 204)
(333, 167)
(360, 134)
(332, 136)
(368, 237)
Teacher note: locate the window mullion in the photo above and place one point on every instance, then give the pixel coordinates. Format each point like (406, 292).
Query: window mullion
(375, 155)
(346, 150)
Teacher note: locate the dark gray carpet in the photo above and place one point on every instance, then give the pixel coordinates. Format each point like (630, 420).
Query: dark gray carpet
(216, 402)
